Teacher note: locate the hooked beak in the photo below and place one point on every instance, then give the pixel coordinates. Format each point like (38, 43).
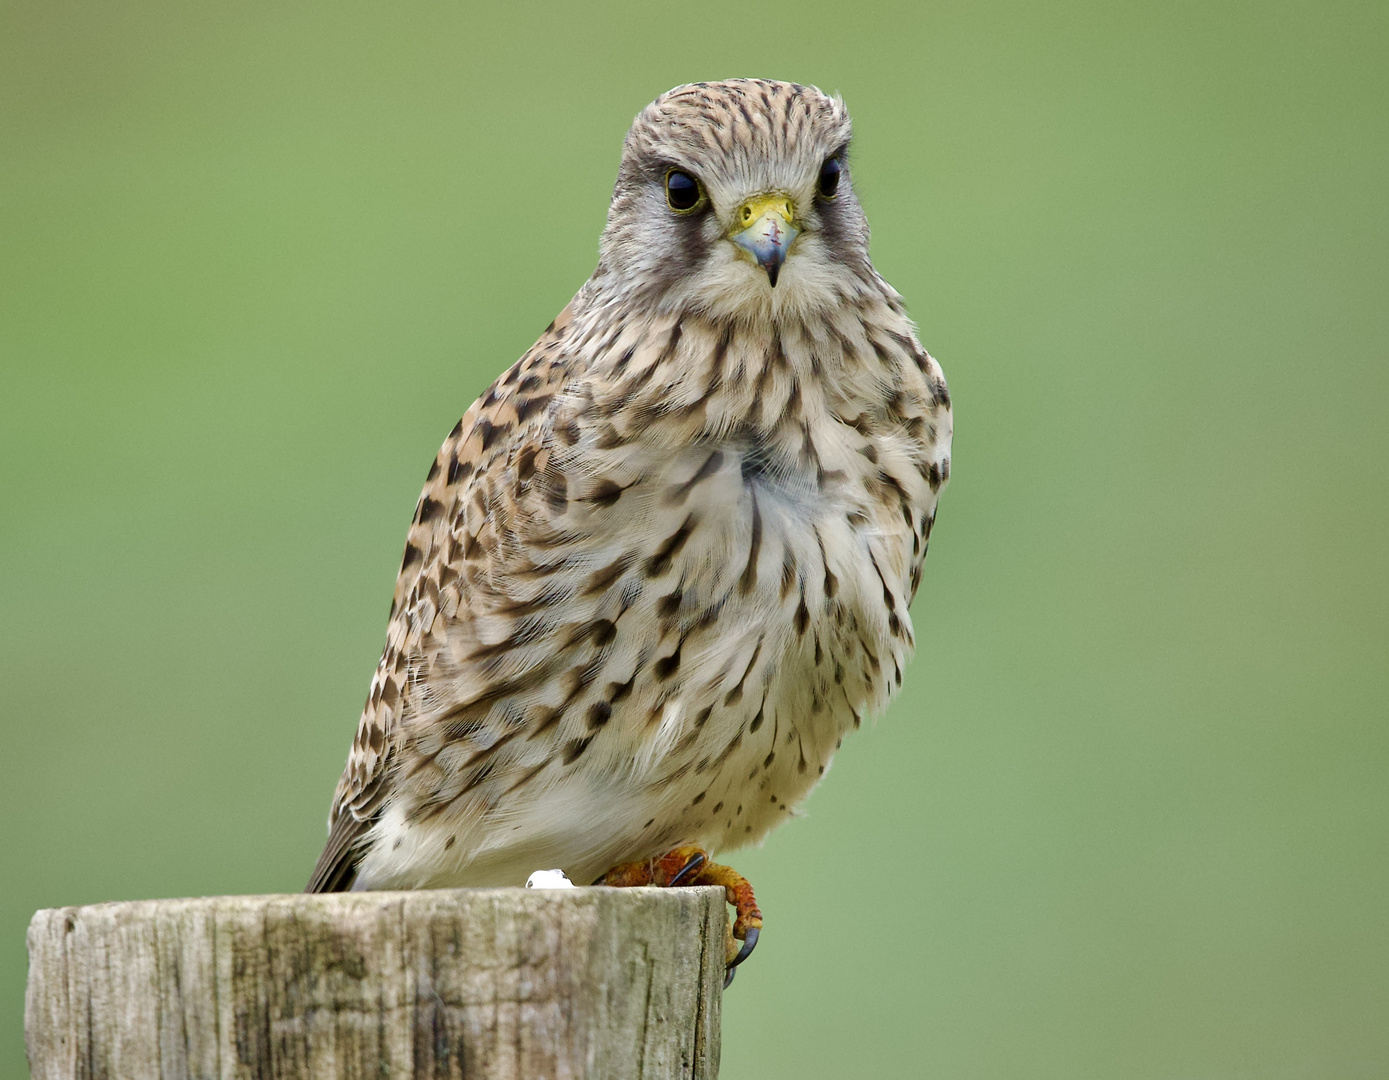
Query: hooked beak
(764, 227)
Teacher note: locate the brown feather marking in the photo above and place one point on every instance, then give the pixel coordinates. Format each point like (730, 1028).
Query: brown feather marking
(748, 581)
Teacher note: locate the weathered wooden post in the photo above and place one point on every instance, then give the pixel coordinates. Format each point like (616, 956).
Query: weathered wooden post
(488, 983)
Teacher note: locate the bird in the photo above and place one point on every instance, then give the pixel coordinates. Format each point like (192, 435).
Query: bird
(664, 564)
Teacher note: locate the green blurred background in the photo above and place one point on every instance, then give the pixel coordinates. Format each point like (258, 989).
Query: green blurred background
(1130, 815)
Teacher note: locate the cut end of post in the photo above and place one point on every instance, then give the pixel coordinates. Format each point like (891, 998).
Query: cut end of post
(488, 983)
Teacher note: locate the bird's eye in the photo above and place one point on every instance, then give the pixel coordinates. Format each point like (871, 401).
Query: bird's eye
(829, 177)
(682, 191)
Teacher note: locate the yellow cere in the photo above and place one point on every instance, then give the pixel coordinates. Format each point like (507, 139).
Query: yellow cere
(754, 210)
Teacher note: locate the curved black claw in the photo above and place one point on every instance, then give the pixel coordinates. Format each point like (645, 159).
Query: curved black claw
(688, 870)
(749, 943)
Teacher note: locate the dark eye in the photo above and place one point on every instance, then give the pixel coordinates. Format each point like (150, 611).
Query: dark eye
(682, 191)
(829, 177)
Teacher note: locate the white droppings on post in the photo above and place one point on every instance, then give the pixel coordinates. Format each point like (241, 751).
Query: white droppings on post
(549, 879)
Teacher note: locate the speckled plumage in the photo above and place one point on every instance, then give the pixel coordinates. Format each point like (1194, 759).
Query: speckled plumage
(663, 564)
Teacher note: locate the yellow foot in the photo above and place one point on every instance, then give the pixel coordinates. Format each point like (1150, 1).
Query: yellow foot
(691, 866)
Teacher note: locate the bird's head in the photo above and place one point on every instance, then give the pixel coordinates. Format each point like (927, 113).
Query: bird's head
(734, 199)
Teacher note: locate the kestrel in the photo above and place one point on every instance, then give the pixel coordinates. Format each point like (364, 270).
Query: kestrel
(664, 563)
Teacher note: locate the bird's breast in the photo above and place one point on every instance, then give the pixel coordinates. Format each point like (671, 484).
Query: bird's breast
(760, 615)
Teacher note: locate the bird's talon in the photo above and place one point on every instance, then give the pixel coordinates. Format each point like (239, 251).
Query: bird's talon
(749, 943)
(691, 866)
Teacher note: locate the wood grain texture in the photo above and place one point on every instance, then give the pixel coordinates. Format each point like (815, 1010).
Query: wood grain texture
(494, 983)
